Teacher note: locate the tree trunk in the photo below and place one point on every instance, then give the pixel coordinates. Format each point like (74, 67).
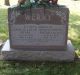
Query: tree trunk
(7, 2)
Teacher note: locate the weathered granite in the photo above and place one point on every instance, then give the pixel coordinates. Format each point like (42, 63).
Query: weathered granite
(8, 53)
(38, 28)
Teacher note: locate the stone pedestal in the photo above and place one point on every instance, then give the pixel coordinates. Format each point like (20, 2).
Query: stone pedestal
(8, 53)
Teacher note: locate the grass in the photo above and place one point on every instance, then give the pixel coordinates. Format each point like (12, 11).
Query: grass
(3, 25)
(42, 68)
(74, 30)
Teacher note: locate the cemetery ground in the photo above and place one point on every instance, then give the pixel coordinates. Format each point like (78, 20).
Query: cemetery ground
(43, 68)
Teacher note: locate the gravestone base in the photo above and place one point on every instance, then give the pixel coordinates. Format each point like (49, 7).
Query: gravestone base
(8, 53)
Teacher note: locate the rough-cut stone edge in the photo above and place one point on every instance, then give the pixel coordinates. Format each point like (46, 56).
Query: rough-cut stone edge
(12, 54)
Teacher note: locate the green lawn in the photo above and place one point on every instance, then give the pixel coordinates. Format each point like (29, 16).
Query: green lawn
(3, 25)
(74, 30)
(42, 68)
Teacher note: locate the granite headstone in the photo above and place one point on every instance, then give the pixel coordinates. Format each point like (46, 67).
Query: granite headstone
(38, 34)
(45, 29)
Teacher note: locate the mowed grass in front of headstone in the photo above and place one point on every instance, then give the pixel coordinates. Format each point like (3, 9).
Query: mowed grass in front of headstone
(42, 68)
(39, 68)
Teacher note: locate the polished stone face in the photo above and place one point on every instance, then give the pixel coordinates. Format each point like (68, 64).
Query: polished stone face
(39, 28)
